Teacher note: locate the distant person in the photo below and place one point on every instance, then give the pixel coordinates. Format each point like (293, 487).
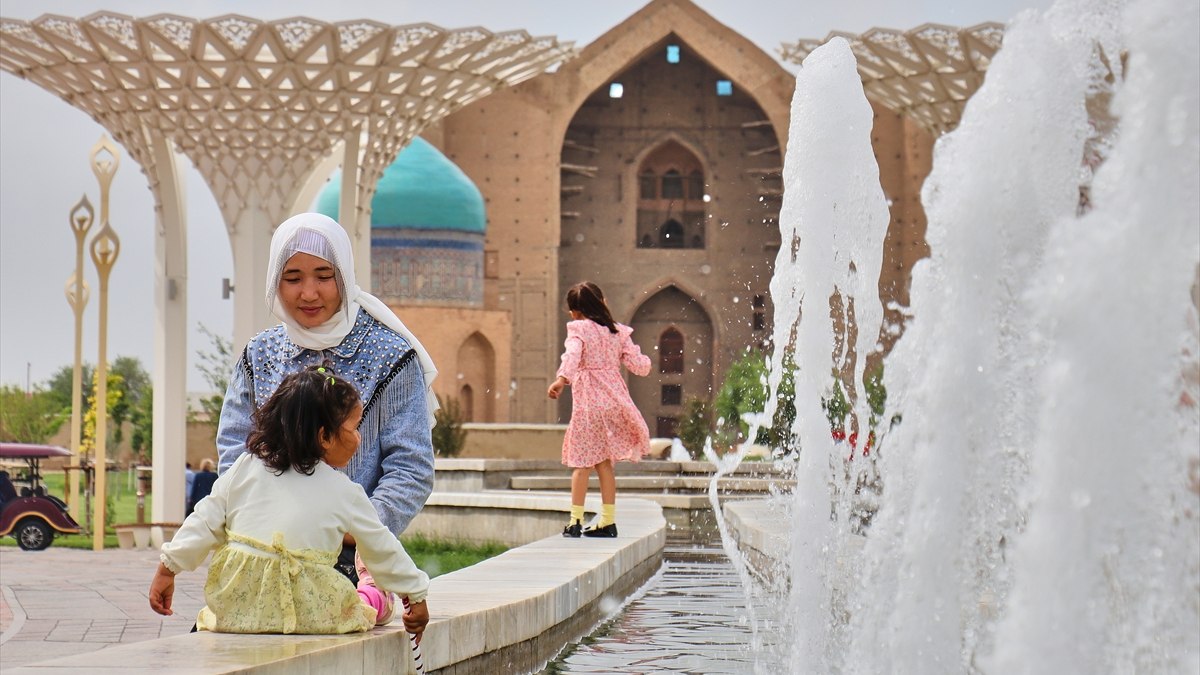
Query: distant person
(605, 425)
(202, 483)
(324, 315)
(7, 491)
(276, 520)
(188, 477)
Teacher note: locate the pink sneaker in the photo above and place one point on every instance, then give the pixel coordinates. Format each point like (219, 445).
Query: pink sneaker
(389, 598)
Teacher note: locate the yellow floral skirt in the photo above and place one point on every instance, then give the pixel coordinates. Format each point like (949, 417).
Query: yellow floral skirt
(254, 587)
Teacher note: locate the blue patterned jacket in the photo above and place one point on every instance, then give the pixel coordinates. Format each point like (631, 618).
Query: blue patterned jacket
(394, 463)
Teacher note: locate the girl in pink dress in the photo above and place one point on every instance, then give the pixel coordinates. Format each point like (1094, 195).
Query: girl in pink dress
(605, 426)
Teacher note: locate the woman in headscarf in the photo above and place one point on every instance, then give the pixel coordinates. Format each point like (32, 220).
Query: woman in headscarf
(326, 318)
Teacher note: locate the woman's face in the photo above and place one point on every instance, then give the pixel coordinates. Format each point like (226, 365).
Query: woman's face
(308, 290)
(341, 445)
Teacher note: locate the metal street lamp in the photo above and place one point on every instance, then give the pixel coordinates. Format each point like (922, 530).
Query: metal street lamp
(82, 216)
(105, 247)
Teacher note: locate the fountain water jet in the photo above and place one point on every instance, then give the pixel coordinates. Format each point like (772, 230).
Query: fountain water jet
(1036, 513)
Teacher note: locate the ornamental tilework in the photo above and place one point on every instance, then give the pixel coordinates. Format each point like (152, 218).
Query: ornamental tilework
(434, 268)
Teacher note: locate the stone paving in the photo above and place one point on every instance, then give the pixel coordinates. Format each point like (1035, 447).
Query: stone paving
(60, 601)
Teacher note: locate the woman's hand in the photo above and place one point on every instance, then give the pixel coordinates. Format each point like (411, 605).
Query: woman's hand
(556, 388)
(162, 590)
(415, 617)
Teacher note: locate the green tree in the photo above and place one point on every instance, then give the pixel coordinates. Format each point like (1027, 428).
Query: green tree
(215, 365)
(132, 406)
(114, 394)
(29, 418)
(59, 386)
(135, 388)
(141, 419)
(449, 438)
(745, 391)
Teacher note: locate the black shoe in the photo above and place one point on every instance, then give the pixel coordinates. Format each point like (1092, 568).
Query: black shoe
(609, 530)
(573, 529)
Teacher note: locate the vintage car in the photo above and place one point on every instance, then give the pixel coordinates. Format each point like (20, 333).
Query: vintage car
(32, 516)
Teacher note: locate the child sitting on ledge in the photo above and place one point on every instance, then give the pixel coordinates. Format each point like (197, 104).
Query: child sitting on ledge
(277, 519)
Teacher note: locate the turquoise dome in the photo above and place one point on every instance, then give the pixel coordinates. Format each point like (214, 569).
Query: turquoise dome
(421, 190)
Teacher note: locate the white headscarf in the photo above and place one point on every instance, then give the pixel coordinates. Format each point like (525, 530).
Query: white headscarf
(321, 236)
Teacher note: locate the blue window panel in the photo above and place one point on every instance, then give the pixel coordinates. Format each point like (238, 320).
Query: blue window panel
(616, 90)
(724, 88)
(672, 53)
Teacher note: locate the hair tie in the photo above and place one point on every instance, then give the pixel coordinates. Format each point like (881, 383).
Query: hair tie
(321, 369)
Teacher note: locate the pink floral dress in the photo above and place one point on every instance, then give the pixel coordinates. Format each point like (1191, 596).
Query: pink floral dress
(604, 422)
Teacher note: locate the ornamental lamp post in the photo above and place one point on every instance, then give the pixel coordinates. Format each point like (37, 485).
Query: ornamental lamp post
(82, 216)
(104, 248)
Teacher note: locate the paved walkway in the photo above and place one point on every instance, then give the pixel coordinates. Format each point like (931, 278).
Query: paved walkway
(62, 601)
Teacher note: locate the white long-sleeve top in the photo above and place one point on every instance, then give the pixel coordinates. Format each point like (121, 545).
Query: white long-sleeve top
(309, 512)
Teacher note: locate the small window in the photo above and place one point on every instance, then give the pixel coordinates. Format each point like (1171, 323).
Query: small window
(695, 185)
(760, 321)
(672, 53)
(759, 301)
(724, 88)
(672, 394)
(616, 90)
(665, 427)
(672, 185)
(670, 351)
(670, 235)
(648, 185)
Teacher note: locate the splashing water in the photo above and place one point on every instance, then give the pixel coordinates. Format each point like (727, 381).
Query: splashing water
(1036, 512)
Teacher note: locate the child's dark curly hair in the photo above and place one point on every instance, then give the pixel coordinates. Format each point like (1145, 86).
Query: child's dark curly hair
(289, 427)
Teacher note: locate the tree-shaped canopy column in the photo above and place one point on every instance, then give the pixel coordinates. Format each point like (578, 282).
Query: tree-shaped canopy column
(256, 106)
(926, 73)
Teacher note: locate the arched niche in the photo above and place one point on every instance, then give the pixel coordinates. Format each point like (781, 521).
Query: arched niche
(673, 318)
(671, 198)
(477, 378)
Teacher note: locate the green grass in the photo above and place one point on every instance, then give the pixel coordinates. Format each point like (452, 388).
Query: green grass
(438, 557)
(435, 557)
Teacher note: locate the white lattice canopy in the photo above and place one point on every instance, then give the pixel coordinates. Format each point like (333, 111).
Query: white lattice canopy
(256, 104)
(926, 73)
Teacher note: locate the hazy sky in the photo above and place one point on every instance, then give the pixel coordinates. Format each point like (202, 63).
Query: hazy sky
(44, 145)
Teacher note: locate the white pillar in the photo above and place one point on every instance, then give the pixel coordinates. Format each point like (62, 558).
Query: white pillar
(250, 239)
(169, 438)
(315, 181)
(351, 213)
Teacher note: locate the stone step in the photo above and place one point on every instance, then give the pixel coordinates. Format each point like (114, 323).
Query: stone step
(641, 484)
(649, 466)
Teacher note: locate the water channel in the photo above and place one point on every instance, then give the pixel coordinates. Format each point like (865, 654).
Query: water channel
(692, 616)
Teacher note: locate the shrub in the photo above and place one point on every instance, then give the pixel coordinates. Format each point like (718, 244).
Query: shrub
(449, 438)
(695, 426)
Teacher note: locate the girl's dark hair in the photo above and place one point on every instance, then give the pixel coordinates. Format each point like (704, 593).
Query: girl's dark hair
(587, 299)
(307, 407)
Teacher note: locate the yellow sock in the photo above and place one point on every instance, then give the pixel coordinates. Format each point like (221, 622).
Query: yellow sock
(608, 515)
(577, 513)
